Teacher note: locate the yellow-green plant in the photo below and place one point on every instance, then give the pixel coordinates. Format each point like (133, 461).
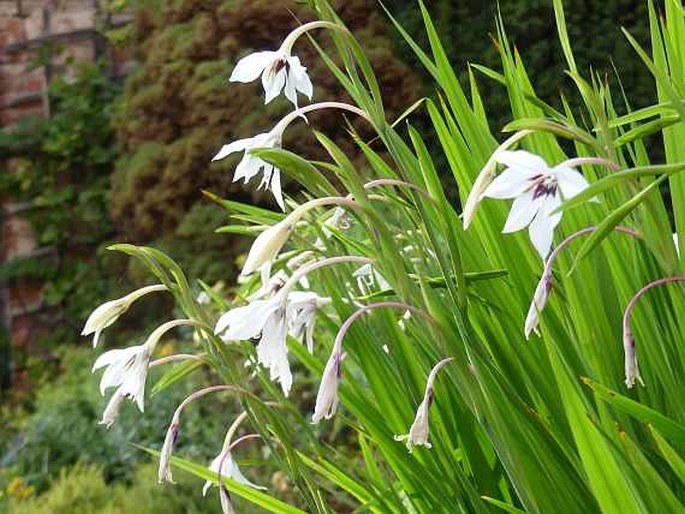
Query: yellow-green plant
(533, 408)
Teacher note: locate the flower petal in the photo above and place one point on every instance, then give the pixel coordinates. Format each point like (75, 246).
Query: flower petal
(509, 184)
(300, 77)
(523, 161)
(523, 210)
(276, 188)
(234, 146)
(245, 322)
(541, 229)
(112, 356)
(251, 66)
(273, 84)
(571, 182)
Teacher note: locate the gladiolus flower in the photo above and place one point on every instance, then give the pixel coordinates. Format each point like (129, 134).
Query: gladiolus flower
(273, 319)
(164, 473)
(126, 368)
(279, 70)
(107, 313)
(419, 430)
(224, 466)
(537, 190)
(251, 165)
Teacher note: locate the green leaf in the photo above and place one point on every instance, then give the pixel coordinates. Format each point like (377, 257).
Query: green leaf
(612, 220)
(297, 168)
(615, 179)
(175, 374)
(639, 411)
(251, 494)
(504, 506)
(669, 454)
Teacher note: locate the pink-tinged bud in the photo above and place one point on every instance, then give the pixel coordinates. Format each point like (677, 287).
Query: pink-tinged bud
(164, 474)
(631, 368)
(539, 301)
(327, 398)
(419, 430)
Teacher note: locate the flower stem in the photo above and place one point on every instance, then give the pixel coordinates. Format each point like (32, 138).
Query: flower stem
(555, 253)
(297, 276)
(580, 161)
(337, 344)
(176, 358)
(395, 182)
(291, 38)
(632, 370)
(290, 117)
(656, 283)
(156, 334)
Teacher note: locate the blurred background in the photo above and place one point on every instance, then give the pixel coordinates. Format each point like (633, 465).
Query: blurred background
(109, 115)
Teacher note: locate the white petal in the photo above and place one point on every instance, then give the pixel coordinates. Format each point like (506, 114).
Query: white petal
(121, 354)
(276, 188)
(524, 161)
(273, 84)
(509, 184)
(523, 210)
(290, 91)
(300, 77)
(272, 351)
(234, 146)
(541, 231)
(245, 322)
(251, 66)
(250, 166)
(570, 182)
(114, 376)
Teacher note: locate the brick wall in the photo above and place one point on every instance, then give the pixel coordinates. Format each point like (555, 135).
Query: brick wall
(27, 27)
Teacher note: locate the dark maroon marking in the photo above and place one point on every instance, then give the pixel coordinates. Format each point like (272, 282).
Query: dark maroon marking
(543, 189)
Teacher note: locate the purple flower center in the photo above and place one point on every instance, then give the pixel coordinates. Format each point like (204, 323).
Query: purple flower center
(544, 185)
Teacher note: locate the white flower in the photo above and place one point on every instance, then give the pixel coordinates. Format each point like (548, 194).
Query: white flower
(107, 313)
(251, 165)
(368, 278)
(279, 70)
(109, 416)
(126, 368)
(537, 190)
(271, 320)
(265, 249)
(327, 397)
(419, 430)
(539, 301)
(305, 304)
(224, 466)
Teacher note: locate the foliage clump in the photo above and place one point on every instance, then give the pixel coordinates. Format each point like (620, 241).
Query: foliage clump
(178, 110)
(63, 164)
